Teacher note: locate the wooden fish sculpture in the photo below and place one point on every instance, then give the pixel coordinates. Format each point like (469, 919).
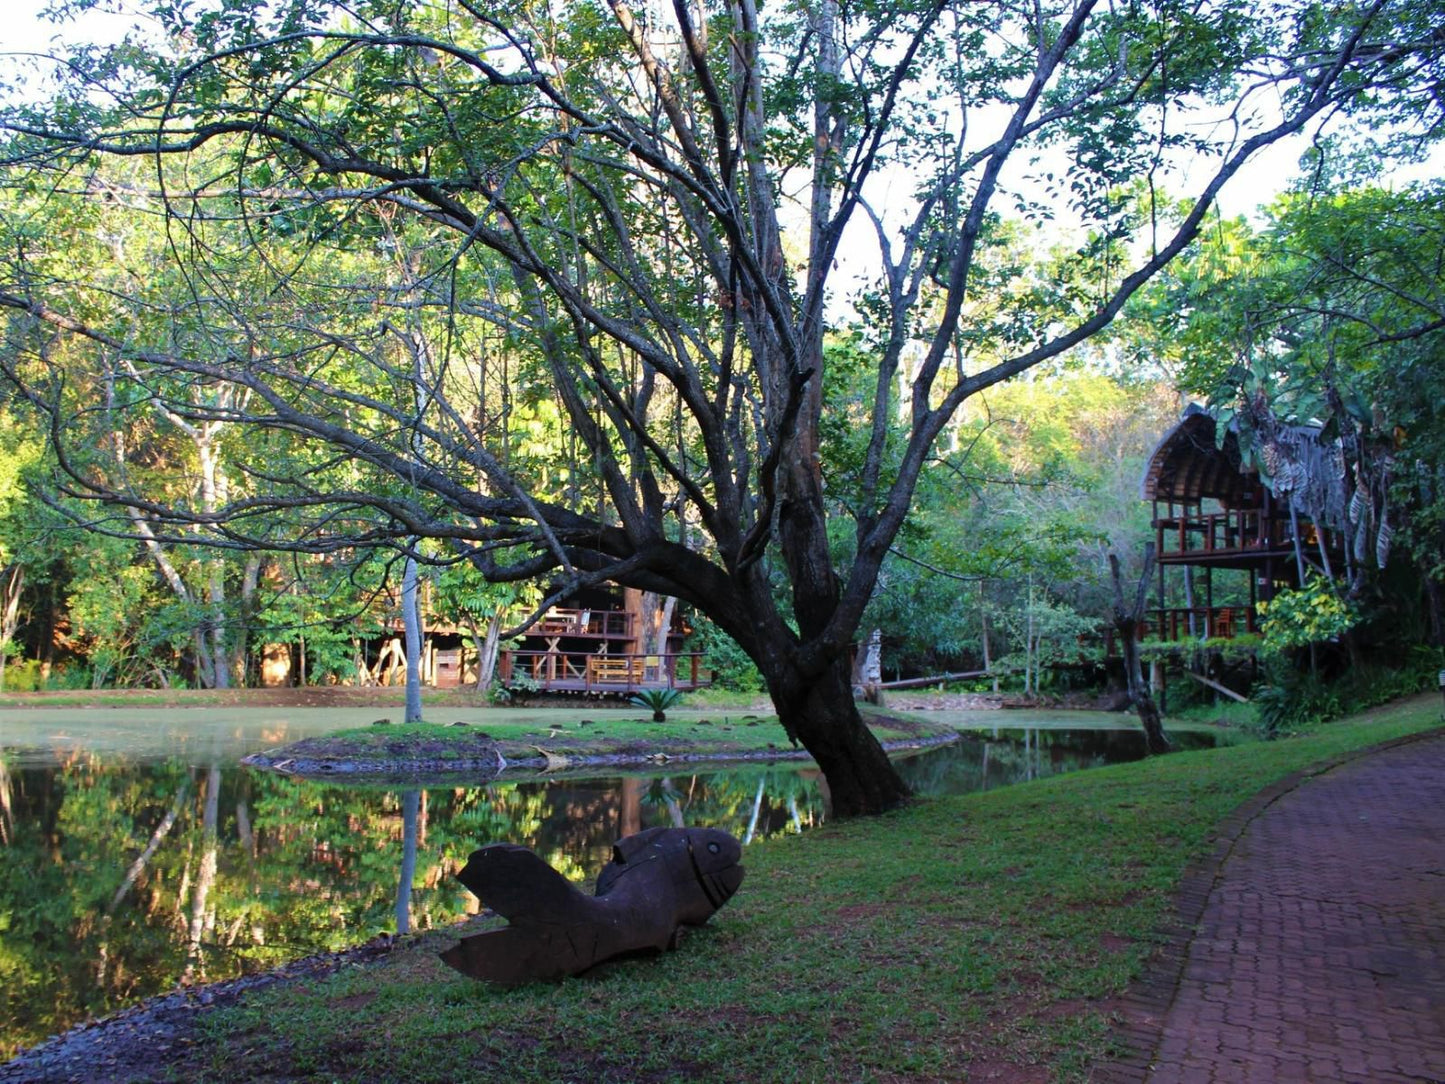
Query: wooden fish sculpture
(657, 882)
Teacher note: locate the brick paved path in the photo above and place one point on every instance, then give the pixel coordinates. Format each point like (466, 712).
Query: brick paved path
(1320, 952)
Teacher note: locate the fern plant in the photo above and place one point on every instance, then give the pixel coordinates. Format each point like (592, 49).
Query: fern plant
(657, 700)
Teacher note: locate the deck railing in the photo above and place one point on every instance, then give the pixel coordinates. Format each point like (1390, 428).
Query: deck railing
(1233, 531)
(573, 671)
(1218, 622)
(1218, 532)
(611, 624)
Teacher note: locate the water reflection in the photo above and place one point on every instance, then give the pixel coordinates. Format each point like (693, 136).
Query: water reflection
(120, 878)
(1002, 756)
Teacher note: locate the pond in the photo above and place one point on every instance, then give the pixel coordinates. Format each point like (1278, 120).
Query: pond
(137, 853)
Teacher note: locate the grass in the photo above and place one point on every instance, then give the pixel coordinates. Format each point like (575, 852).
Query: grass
(578, 733)
(949, 940)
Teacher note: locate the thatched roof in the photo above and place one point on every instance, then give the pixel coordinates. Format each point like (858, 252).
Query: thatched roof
(1188, 465)
(1298, 466)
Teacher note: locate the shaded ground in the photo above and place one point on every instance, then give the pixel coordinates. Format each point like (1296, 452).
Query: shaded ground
(133, 1043)
(952, 940)
(1319, 950)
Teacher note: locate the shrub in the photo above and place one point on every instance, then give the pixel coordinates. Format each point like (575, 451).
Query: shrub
(657, 701)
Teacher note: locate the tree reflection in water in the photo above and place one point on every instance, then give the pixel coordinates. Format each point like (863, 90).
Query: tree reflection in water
(120, 879)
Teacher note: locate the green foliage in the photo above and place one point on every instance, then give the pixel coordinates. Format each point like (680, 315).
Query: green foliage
(1313, 614)
(729, 665)
(21, 676)
(657, 701)
(1291, 700)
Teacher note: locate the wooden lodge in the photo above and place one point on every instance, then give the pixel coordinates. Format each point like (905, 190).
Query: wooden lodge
(599, 649)
(594, 646)
(1225, 540)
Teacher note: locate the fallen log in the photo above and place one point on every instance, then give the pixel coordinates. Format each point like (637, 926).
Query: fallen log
(1208, 683)
(936, 679)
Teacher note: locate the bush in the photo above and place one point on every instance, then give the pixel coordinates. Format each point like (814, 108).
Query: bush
(731, 668)
(22, 676)
(1288, 700)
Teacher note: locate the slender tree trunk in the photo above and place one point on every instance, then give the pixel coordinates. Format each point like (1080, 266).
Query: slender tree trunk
(1126, 623)
(669, 798)
(7, 815)
(206, 662)
(12, 581)
(629, 809)
(487, 644)
(241, 633)
(1029, 642)
(1299, 553)
(987, 648)
(757, 809)
(411, 622)
(211, 489)
(657, 612)
(157, 837)
(205, 878)
(410, 809)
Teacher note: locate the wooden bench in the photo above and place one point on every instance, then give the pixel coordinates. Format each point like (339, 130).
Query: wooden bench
(614, 670)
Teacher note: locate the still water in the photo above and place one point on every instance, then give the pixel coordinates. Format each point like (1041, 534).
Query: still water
(135, 853)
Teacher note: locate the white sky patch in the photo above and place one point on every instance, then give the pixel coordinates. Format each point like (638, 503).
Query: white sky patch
(31, 44)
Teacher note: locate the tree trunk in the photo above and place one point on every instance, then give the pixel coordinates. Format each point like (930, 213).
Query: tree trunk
(205, 878)
(1435, 608)
(12, 580)
(411, 622)
(987, 651)
(486, 645)
(7, 816)
(241, 634)
(824, 717)
(1126, 623)
(410, 809)
(157, 838)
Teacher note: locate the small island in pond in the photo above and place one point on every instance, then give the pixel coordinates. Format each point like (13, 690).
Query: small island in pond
(385, 752)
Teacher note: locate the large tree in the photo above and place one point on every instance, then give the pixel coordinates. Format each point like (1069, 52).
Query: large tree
(658, 208)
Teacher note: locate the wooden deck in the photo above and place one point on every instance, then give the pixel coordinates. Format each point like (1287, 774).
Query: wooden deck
(579, 672)
(1236, 537)
(1217, 622)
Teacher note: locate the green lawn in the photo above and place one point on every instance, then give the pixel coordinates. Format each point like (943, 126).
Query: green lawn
(580, 732)
(941, 942)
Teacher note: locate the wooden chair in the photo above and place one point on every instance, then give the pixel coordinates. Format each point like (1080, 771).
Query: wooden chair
(1224, 624)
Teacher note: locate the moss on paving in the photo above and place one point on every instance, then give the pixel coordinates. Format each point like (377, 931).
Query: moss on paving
(947, 940)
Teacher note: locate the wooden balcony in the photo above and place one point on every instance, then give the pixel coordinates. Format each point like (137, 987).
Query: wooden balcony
(1235, 537)
(1233, 531)
(579, 672)
(596, 624)
(1218, 622)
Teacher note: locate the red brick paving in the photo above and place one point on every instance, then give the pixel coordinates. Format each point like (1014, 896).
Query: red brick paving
(1318, 937)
